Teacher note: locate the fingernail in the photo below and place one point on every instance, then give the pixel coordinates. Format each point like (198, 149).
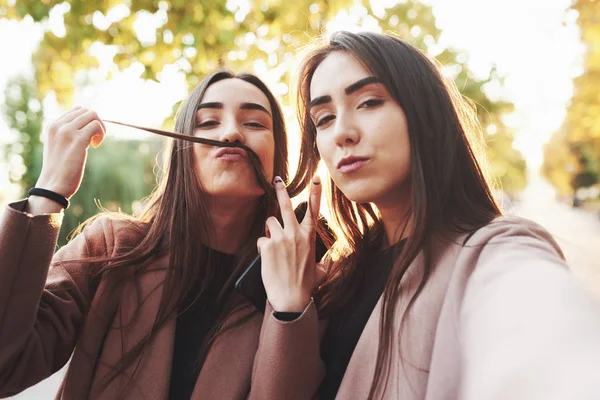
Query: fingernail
(316, 180)
(278, 180)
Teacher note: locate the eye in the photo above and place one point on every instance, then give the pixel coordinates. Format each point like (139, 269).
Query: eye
(324, 120)
(207, 124)
(255, 125)
(371, 103)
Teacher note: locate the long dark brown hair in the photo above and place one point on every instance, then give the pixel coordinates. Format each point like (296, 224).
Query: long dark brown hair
(449, 189)
(178, 218)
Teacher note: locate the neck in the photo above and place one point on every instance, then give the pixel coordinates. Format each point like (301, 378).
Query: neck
(397, 219)
(231, 220)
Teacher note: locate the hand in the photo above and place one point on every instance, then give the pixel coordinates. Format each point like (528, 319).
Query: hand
(65, 150)
(289, 271)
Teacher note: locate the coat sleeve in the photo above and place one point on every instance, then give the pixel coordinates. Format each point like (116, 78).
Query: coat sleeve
(288, 363)
(528, 327)
(43, 298)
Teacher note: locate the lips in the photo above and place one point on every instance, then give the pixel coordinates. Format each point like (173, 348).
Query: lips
(231, 153)
(351, 163)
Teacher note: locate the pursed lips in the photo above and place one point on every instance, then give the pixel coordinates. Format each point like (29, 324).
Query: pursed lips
(351, 163)
(231, 154)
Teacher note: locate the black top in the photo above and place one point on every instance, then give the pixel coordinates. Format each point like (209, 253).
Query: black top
(193, 325)
(346, 326)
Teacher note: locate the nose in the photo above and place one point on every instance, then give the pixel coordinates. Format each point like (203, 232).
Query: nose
(345, 130)
(232, 133)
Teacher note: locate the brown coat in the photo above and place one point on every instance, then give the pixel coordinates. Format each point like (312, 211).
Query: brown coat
(44, 320)
(501, 318)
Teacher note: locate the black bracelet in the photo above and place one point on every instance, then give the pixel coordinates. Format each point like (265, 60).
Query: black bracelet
(62, 200)
(286, 316)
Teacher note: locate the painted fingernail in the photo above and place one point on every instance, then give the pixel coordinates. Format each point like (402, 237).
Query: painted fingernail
(278, 180)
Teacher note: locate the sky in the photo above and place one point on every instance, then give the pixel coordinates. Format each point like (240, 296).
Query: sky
(533, 43)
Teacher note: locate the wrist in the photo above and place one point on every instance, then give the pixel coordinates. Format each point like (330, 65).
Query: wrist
(37, 205)
(53, 187)
(295, 303)
(48, 194)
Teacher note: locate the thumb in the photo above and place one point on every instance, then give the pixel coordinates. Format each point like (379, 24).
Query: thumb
(97, 139)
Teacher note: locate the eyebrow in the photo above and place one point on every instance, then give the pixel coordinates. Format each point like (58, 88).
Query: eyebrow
(216, 105)
(243, 106)
(318, 101)
(361, 83)
(254, 106)
(349, 90)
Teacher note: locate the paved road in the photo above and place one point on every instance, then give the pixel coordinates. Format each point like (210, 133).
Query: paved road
(577, 231)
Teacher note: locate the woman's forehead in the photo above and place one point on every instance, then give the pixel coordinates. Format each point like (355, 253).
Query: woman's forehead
(233, 92)
(335, 73)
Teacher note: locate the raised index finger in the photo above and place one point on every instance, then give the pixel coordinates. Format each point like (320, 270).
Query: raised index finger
(285, 204)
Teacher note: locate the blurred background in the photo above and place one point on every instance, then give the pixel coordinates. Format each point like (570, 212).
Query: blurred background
(532, 67)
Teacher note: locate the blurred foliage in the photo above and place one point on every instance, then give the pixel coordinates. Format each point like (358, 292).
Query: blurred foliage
(262, 36)
(572, 157)
(117, 175)
(23, 112)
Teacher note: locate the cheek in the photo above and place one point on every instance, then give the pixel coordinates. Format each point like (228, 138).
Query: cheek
(200, 153)
(324, 151)
(266, 152)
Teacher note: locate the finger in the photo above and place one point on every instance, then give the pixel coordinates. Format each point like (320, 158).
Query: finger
(93, 133)
(71, 115)
(285, 204)
(82, 120)
(273, 228)
(102, 123)
(65, 114)
(260, 243)
(99, 138)
(314, 203)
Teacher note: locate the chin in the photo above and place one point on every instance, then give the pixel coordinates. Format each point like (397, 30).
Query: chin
(358, 191)
(358, 196)
(238, 191)
(376, 191)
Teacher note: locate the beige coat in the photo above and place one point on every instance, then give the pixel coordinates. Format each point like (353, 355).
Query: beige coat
(501, 318)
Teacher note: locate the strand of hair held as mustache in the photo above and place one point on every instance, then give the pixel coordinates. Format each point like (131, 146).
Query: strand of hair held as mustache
(254, 160)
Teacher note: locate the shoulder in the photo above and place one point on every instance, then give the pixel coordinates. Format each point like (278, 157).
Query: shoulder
(508, 246)
(106, 232)
(512, 232)
(511, 225)
(513, 252)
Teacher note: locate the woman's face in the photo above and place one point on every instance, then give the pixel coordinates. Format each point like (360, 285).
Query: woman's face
(362, 134)
(233, 110)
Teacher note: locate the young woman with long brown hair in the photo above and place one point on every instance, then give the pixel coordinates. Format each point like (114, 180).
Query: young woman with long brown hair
(145, 306)
(431, 293)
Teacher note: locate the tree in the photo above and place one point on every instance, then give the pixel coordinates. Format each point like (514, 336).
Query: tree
(261, 35)
(24, 113)
(117, 176)
(572, 157)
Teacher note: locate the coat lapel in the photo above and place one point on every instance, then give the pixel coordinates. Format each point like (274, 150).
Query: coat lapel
(227, 369)
(138, 308)
(410, 352)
